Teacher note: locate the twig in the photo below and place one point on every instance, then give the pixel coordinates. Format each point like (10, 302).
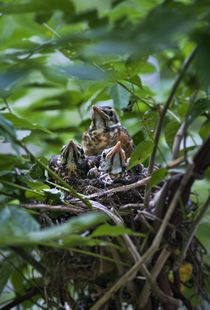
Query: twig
(7, 104)
(162, 117)
(178, 139)
(174, 163)
(57, 208)
(120, 188)
(131, 205)
(191, 234)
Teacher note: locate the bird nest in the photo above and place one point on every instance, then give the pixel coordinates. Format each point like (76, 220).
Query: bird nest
(153, 263)
(81, 280)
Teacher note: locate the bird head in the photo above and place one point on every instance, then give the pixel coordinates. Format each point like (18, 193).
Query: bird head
(72, 154)
(113, 160)
(103, 117)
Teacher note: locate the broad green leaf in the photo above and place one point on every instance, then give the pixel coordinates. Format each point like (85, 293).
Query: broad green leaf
(21, 123)
(141, 152)
(120, 96)
(9, 161)
(136, 80)
(110, 230)
(6, 270)
(37, 6)
(8, 132)
(205, 130)
(202, 55)
(157, 177)
(170, 132)
(15, 221)
(5, 297)
(19, 228)
(199, 107)
(84, 72)
(54, 195)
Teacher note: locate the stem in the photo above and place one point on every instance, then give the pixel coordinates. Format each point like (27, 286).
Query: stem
(162, 117)
(22, 187)
(7, 104)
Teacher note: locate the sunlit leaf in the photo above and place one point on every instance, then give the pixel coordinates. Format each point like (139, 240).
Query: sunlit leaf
(8, 132)
(120, 96)
(141, 152)
(157, 177)
(22, 123)
(108, 230)
(170, 132)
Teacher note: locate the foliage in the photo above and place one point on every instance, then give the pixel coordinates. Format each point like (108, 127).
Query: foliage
(57, 59)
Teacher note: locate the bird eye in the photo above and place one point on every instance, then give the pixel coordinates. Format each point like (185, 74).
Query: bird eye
(104, 155)
(111, 113)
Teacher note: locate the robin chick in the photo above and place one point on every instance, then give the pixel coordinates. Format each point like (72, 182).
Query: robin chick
(112, 164)
(71, 163)
(105, 131)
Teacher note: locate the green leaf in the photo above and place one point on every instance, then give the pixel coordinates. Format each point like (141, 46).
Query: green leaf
(19, 228)
(6, 270)
(21, 123)
(135, 80)
(6, 297)
(8, 132)
(84, 72)
(157, 177)
(205, 130)
(170, 132)
(110, 230)
(141, 152)
(9, 161)
(54, 195)
(15, 221)
(120, 96)
(200, 106)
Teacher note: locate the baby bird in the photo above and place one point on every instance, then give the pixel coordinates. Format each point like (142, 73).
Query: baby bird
(112, 165)
(71, 163)
(105, 131)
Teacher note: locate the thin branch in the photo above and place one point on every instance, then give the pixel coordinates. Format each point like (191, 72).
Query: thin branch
(120, 188)
(162, 117)
(57, 208)
(178, 139)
